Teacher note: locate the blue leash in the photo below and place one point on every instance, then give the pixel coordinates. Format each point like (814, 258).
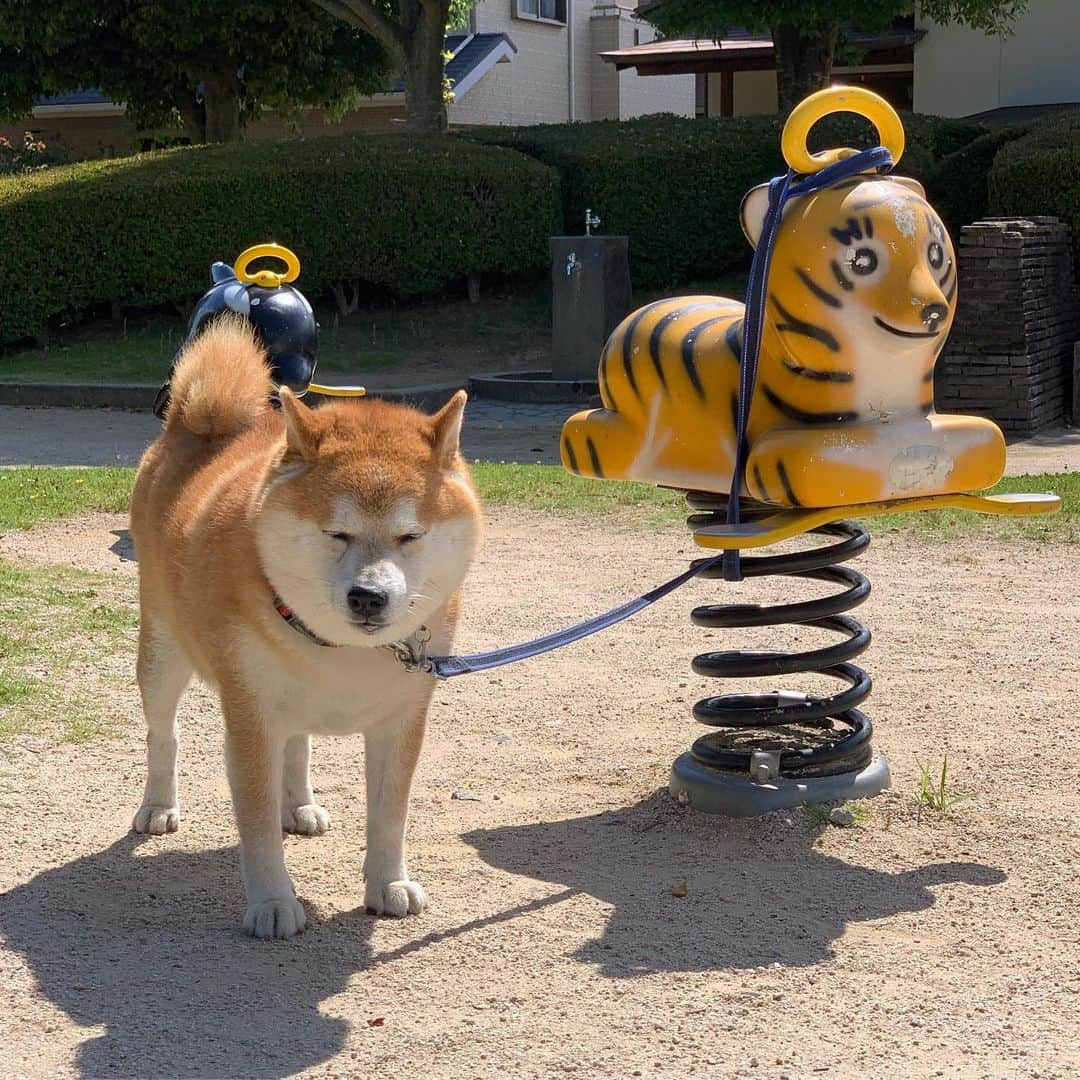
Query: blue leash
(781, 188)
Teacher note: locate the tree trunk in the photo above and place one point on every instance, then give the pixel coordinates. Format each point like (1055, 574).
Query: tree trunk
(425, 107)
(221, 100)
(192, 113)
(803, 61)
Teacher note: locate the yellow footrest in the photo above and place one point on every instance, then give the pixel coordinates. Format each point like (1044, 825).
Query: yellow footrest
(779, 525)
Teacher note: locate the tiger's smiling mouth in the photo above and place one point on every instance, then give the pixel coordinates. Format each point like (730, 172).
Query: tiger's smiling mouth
(905, 333)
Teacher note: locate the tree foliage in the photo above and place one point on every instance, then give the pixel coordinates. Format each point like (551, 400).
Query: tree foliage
(207, 63)
(806, 32)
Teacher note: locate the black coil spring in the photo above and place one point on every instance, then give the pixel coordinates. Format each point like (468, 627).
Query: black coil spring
(813, 736)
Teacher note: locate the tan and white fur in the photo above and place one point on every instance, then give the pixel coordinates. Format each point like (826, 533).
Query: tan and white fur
(361, 516)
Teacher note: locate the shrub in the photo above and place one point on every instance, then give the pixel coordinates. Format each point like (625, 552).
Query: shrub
(29, 155)
(957, 185)
(407, 214)
(1039, 174)
(674, 185)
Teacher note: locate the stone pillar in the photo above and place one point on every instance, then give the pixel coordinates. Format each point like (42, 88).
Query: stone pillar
(590, 296)
(1009, 355)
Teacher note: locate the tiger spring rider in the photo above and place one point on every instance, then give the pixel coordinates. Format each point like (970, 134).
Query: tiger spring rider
(812, 403)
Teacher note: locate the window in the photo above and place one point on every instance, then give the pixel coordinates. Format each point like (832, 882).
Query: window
(541, 10)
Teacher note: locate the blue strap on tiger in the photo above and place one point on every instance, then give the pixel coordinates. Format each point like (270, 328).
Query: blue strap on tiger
(781, 188)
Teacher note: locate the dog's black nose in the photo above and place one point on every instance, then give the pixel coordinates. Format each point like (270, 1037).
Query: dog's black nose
(364, 603)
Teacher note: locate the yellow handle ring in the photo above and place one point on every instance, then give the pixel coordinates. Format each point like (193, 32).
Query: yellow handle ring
(854, 99)
(269, 279)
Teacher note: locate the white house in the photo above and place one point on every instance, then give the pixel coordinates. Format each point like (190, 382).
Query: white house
(962, 72)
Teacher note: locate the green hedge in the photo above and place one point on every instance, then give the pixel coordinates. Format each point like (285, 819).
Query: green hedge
(408, 214)
(957, 185)
(674, 185)
(1040, 173)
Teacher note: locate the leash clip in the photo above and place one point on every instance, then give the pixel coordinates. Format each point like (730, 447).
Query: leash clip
(415, 658)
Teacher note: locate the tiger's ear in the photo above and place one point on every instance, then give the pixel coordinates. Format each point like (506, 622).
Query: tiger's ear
(752, 213)
(906, 181)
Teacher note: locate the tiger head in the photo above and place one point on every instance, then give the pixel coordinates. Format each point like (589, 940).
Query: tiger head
(863, 279)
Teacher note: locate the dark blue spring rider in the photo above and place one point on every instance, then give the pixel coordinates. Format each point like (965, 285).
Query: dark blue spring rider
(281, 315)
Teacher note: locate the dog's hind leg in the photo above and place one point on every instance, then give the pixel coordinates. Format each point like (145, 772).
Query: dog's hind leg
(390, 757)
(300, 813)
(163, 673)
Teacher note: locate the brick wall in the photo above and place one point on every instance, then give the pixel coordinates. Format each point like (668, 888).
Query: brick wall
(1009, 355)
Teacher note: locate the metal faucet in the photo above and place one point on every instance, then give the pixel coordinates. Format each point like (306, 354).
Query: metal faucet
(571, 263)
(591, 221)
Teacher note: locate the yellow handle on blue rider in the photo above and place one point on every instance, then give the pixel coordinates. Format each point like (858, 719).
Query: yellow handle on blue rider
(269, 279)
(337, 391)
(853, 99)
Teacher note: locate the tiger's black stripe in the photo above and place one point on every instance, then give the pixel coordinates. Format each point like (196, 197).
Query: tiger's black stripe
(605, 386)
(794, 325)
(792, 412)
(823, 295)
(733, 338)
(759, 480)
(570, 455)
(789, 491)
(842, 279)
(594, 457)
(662, 324)
(952, 291)
(869, 228)
(686, 351)
(817, 373)
(628, 343)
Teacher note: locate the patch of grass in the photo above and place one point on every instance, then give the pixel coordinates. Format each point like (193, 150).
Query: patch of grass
(931, 791)
(1062, 527)
(550, 487)
(56, 622)
(30, 495)
(816, 815)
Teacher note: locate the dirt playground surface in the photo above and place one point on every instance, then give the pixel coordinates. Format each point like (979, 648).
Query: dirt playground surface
(555, 942)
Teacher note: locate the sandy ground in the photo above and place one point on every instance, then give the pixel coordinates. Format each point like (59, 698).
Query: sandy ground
(554, 942)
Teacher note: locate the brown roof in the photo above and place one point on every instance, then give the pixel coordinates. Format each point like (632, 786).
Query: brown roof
(738, 44)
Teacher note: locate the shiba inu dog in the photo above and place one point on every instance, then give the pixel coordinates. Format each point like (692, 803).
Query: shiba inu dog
(282, 554)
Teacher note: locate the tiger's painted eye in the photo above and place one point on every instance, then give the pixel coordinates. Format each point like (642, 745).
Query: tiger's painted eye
(936, 255)
(864, 261)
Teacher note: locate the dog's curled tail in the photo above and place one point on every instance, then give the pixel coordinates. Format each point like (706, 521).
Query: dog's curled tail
(221, 381)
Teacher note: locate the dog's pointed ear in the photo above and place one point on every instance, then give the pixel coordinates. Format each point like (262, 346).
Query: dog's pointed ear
(447, 428)
(301, 438)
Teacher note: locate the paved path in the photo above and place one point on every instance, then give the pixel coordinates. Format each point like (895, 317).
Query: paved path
(493, 431)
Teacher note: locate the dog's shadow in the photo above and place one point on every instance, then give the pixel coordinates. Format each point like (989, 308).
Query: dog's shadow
(124, 546)
(146, 942)
(756, 892)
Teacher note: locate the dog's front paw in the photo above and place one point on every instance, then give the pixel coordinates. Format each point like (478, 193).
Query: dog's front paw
(394, 898)
(275, 918)
(308, 820)
(156, 820)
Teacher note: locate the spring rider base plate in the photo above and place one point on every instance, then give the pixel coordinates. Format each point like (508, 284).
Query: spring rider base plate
(713, 791)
